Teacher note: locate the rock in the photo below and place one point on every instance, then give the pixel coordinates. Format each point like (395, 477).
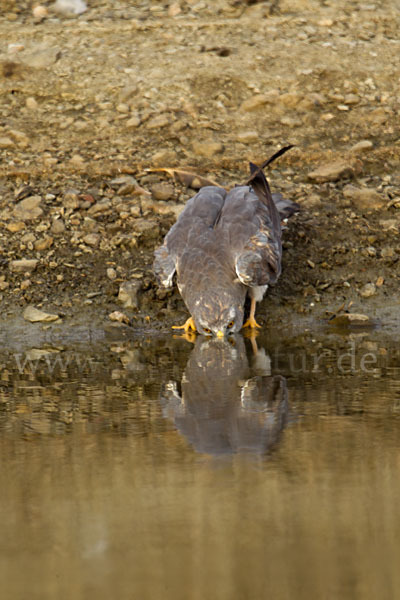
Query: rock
(332, 172)
(290, 99)
(387, 252)
(34, 315)
(259, 100)
(70, 199)
(111, 273)
(69, 7)
(92, 239)
(368, 290)
(41, 58)
(361, 147)
(43, 244)
(39, 12)
(122, 108)
(146, 229)
(164, 158)
(350, 320)
(364, 198)
(15, 226)
(128, 294)
(31, 104)
(57, 226)
(6, 142)
(133, 122)
(207, 149)
(174, 9)
(162, 191)
(247, 137)
(159, 121)
(28, 209)
(311, 201)
(119, 317)
(389, 224)
(99, 208)
(23, 265)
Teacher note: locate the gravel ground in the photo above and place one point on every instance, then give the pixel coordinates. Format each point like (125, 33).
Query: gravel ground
(92, 105)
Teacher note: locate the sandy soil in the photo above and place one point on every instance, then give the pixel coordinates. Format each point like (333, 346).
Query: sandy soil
(90, 105)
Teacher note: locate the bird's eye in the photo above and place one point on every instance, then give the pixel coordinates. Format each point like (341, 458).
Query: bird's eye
(206, 330)
(230, 324)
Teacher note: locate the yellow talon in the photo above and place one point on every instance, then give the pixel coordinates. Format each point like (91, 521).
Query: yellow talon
(188, 326)
(251, 322)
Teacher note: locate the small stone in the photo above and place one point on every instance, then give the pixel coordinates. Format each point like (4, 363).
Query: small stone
(41, 58)
(350, 319)
(174, 9)
(28, 209)
(380, 281)
(164, 158)
(23, 265)
(31, 104)
(69, 7)
(111, 273)
(6, 142)
(312, 201)
(258, 101)
(368, 290)
(290, 99)
(207, 149)
(332, 172)
(99, 208)
(34, 315)
(43, 244)
(389, 224)
(39, 12)
(119, 317)
(364, 198)
(162, 191)
(25, 284)
(57, 227)
(77, 161)
(15, 226)
(71, 199)
(159, 121)
(122, 108)
(351, 99)
(247, 137)
(387, 252)
(92, 239)
(361, 147)
(128, 294)
(133, 122)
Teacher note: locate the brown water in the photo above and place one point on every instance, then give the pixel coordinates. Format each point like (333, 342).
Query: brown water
(156, 469)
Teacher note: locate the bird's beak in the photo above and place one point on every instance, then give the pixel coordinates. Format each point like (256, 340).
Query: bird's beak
(220, 334)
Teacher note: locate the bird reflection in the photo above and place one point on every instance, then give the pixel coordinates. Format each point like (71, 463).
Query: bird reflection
(226, 403)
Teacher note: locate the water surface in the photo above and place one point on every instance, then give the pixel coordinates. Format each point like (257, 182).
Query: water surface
(157, 468)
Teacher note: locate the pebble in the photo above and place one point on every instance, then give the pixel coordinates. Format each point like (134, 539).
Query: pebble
(350, 319)
(368, 290)
(28, 209)
(6, 142)
(15, 226)
(159, 121)
(69, 7)
(39, 12)
(92, 239)
(43, 244)
(364, 198)
(207, 149)
(41, 58)
(133, 122)
(247, 137)
(34, 315)
(111, 273)
(361, 147)
(162, 191)
(31, 103)
(331, 172)
(119, 317)
(128, 294)
(163, 158)
(57, 227)
(387, 252)
(174, 9)
(259, 100)
(23, 265)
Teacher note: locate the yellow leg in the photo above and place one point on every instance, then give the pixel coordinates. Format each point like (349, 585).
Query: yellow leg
(251, 321)
(187, 327)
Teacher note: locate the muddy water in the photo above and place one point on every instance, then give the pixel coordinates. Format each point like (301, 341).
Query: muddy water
(157, 468)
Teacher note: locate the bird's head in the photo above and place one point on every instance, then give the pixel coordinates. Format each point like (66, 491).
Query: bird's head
(218, 314)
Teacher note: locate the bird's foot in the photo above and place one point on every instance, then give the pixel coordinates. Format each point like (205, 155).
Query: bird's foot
(188, 326)
(251, 322)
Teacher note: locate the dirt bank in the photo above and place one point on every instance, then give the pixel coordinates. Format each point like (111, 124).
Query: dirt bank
(90, 103)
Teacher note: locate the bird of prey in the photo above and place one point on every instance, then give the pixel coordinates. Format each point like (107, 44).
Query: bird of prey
(223, 246)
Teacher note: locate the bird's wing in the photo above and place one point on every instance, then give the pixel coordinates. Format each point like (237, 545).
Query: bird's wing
(199, 216)
(253, 231)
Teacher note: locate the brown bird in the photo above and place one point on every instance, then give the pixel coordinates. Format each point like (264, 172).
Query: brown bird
(224, 246)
